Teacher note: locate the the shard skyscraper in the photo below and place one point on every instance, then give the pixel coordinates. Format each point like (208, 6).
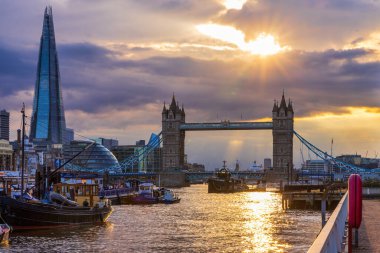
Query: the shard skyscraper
(48, 124)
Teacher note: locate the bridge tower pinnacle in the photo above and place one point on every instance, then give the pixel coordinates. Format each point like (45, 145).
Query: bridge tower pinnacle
(173, 148)
(283, 125)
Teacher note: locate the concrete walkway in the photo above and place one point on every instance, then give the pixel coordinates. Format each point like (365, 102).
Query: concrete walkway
(369, 231)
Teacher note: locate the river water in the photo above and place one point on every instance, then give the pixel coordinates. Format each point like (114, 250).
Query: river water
(201, 222)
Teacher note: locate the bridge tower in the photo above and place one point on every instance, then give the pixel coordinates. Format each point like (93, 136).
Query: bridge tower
(173, 146)
(283, 124)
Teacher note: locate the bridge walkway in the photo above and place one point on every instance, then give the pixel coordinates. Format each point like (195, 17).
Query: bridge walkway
(369, 231)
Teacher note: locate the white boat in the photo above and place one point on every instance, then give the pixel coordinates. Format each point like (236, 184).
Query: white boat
(169, 197)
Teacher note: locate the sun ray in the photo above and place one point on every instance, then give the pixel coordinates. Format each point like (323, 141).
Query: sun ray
(265, 44)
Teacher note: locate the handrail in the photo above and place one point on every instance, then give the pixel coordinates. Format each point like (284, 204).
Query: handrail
(330, 238)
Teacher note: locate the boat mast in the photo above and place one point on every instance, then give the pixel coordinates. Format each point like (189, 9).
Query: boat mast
(23, 149)
(72, 158)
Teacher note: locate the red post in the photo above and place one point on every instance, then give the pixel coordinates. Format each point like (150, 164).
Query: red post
(354, 207)
(349, 239)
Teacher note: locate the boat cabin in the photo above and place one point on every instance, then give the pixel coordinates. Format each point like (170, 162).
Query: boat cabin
(10, 184)
(145, 188)
(79, 192)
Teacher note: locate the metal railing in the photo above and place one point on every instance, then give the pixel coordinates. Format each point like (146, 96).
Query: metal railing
(331, 237)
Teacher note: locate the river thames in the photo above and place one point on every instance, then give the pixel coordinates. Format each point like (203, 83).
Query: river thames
(201, 222)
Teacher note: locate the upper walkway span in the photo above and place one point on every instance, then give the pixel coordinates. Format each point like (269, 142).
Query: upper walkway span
(226, 125)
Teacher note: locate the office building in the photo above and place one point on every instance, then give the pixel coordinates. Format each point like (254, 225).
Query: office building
(267, 163)
(4, 125)
(48, 124)
(69, 137)
(108, 143)
(6, 155)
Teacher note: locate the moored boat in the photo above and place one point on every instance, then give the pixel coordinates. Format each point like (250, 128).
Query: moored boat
(169, 197)
(22, 214)
(225, 183)
(52, 210)
(147, 194)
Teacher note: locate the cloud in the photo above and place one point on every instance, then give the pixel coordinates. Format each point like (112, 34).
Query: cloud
(306, 25)
(95, 79)
(16, 67)
(186, 9)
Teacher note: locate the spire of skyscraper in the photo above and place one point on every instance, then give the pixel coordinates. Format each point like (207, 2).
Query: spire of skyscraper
(48, 119)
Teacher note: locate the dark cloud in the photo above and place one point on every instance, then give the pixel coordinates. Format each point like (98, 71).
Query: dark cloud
(16, 68)
(187, 9)
(85, 53)
(365, 71)
(345, 54)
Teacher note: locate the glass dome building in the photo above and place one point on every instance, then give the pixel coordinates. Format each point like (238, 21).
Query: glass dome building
(96, 158)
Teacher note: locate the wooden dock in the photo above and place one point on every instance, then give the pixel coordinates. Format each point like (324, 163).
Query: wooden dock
(310, 200)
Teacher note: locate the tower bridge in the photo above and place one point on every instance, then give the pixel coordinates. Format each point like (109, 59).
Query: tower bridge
(174, 127)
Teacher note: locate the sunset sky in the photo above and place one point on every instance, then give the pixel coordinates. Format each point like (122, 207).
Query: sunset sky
(224, 60)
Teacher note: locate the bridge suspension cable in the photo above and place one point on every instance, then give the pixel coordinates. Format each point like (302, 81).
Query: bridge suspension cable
(153, 143)
(350, 168)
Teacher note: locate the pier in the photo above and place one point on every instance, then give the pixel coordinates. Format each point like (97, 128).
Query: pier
(333, 236)
(310, 200)
(370, 227)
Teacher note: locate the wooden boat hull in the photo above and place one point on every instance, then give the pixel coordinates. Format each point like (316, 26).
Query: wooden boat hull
(24, 215)
(216, 185)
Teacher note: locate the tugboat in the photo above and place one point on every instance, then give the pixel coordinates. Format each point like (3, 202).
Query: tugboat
(27, 212)
(225, 183)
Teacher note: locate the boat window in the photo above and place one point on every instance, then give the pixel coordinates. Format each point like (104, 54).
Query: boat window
(80, 191)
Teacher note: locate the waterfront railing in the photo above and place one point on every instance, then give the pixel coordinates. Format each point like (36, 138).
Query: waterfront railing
(331, 237)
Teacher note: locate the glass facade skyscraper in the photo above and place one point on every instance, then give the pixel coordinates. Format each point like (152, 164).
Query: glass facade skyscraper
(48, 124)
(4, 125)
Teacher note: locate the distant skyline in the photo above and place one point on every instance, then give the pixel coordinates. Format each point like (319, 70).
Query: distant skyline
(224, 60)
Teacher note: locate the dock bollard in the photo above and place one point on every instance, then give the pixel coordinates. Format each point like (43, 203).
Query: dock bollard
(323, 211)
(354, 208)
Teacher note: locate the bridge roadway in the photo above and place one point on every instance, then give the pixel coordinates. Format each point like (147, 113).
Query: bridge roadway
(226, 125)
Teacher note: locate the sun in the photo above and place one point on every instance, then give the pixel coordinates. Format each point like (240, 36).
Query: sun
(234, 4)
(264, 45)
